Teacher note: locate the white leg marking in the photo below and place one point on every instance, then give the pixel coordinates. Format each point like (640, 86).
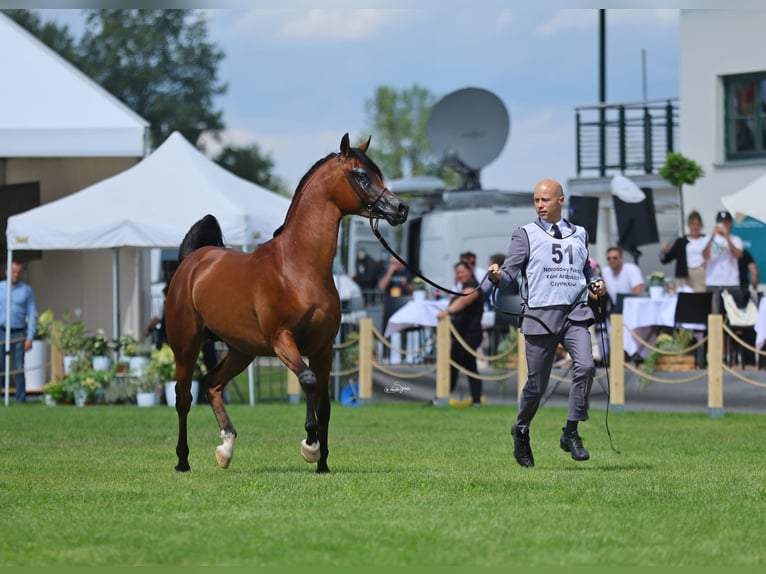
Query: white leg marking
(224, 452)
(310, 452)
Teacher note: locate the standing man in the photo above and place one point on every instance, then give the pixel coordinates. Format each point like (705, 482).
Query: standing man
(22, 320)
(551, 254)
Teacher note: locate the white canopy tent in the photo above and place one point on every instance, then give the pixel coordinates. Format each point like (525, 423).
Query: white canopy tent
(748, 201)
(152, 204)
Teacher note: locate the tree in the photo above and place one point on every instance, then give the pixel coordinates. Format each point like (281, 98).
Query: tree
(251, 164)
(397, 121)
(677, 171)
(51, 34)
(160, 63)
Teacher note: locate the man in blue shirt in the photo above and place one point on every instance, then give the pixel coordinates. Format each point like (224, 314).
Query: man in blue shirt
(23, 323)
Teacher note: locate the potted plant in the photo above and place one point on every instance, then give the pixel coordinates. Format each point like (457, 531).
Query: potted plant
(678, 340)
(146, 387)
(54, 393)
(656, 282)
(85, 385)
(130, 350)
(36, 360)
(99, 349)
(71, 340)
(418, 289)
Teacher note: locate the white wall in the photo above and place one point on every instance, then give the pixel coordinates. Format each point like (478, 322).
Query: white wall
(715, 43)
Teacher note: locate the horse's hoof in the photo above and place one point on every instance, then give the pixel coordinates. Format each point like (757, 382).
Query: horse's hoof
(221, 458)
(310, 452)
(224, 452)
(183, 468)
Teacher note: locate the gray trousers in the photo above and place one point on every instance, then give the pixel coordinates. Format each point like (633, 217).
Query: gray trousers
(541, 352)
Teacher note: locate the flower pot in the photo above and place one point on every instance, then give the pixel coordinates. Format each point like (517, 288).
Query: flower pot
(170, 392)
(79, 397)
(101, 363)
(656, 292)
(36, 365)
(146, 399)
(419, 295)
(137, 365)
(68, 360)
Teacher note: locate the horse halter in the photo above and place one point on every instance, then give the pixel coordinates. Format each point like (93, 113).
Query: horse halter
(360, 192)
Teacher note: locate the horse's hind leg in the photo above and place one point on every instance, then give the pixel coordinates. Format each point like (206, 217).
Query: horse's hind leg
(184, 372)
(215, 381)
(321, 364)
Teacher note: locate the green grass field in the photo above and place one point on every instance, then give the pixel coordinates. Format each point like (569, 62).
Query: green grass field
(410, 485)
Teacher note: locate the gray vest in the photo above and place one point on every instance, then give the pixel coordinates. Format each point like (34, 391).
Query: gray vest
(554, 272)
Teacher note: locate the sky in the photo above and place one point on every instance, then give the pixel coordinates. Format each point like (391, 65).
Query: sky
(299, 79)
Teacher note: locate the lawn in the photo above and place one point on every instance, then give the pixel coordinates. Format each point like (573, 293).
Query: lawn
(410, 485)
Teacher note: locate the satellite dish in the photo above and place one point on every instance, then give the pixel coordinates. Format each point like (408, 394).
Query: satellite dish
(468, 129)
(626, 189)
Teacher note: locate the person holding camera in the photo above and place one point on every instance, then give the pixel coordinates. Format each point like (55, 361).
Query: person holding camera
(721, 254)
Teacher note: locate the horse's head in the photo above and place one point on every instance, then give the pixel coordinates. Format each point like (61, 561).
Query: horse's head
(366, 179)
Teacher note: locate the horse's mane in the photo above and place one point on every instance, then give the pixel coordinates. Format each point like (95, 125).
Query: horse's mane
(301, 185)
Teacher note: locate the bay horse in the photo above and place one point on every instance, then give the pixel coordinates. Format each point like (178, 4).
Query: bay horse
(279, 300)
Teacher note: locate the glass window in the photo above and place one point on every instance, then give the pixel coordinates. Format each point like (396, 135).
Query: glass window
(745, 116)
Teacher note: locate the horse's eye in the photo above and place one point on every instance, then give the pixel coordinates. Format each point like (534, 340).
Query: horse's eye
(361, 176)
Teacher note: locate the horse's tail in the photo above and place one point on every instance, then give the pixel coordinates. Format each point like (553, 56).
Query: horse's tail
(203, 233)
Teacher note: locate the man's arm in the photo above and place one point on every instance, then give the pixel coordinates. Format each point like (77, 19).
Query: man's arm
(515, 259)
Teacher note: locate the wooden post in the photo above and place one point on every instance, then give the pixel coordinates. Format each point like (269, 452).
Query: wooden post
(442, 362)
(715, 365)
(365, 360)
(523, 367)
(293, 388)
(617, 365)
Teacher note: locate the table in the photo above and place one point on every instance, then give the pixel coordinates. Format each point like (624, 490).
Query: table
(415, 314)
(760, 324)
(420, 314)
(644, 314)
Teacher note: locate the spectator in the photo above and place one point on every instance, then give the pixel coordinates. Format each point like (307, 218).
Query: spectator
(22, 320)
(687, 251)
(621, 276)
(367, 274)
(396, 285)
(465, 312)
(721, 253)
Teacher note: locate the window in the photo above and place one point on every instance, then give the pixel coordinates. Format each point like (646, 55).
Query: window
(745, 116)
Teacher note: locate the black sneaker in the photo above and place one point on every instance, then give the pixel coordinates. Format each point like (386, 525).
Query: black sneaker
(521, 449)
(572, 443)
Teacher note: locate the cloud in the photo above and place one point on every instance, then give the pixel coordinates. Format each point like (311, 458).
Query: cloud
(568, 20)
(340, 25)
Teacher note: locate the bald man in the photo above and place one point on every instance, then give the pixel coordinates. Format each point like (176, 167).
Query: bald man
(551, 254)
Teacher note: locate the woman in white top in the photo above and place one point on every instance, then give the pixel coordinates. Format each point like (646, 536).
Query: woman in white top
(687, 253)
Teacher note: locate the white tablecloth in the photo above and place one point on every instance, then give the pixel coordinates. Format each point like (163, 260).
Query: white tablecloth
(760, 325)
(643, 313)
(640, 312)
(415, 314)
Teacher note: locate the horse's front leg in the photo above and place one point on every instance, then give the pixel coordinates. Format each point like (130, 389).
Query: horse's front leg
(321, 364)
(286, 349)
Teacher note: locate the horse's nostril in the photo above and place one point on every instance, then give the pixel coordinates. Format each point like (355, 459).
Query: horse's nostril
(403, 209)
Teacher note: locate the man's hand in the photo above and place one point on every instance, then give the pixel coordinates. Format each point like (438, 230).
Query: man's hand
(597, 287)
(493, 273)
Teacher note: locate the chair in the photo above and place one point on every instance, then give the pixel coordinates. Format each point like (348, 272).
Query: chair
(692, 310)
(617, 308)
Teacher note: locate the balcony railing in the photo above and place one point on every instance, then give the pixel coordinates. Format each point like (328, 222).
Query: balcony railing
(627, 138)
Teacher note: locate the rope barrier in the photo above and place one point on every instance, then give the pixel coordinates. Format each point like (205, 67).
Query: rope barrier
(391, 373)
(650, 377)
(661, 351)
(743, 378)
(741, 342)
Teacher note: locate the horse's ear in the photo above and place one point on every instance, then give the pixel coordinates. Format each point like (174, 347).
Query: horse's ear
(365, 145)
(344, 145)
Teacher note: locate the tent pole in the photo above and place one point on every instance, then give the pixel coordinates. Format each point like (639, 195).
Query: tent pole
(8, 324)
(116, 293)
